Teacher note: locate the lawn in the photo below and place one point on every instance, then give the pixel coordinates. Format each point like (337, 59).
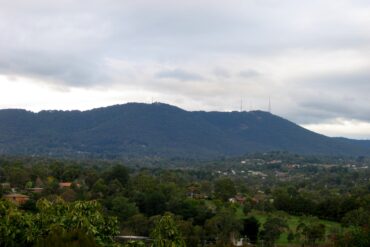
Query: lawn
(292, 221)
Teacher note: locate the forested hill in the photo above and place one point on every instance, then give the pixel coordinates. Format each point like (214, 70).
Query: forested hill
(158, 129)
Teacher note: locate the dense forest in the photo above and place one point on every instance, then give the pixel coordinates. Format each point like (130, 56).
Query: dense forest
(160, 130)
(262, 199)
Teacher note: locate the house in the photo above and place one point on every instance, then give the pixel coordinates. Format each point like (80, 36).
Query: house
(260, 196)
(238, 199)
(39, 183)
(37, 190)
(18, 199)
(5, 185)
(63, 185)
(127, 239)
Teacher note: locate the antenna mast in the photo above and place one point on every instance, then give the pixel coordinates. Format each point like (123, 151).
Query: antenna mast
(269, 105)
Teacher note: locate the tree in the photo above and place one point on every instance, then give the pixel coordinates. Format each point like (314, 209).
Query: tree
(138, 224)
(59, 237)
(84, 215)
(70, 172)
(358, 233)
(123, 208)
(100, 188)
(191, 234)
(20, 228)
(114, 187)
(224, 189)
(251, 228)
(166, 233)
(272, 229)
(311, 229)
(151, 203)
(15, 226)
(358, 217)
(224, 226)
(118, 172)
(18, 176)
(69, 195)
(290, 236)
(247, 206)
(355, 236)
(134, 244)
(143, 182)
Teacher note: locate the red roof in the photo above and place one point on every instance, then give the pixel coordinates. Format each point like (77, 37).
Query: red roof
(65, 184)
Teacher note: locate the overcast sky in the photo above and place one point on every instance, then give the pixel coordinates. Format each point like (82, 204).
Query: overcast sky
(312, 57)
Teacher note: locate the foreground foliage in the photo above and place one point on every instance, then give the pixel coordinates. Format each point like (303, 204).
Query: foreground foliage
(267, 199)
(57, 219)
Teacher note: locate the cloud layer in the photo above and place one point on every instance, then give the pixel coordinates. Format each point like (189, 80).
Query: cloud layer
(310, 57)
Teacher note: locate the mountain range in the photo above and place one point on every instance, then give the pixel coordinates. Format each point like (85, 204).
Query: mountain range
(161, 130)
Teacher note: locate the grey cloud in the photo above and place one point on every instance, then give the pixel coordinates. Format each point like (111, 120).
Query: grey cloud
(330, 96)
(221, 72)
(247, 73)
(166, 31)
(221, 50)
(353, 81)
(178, 74)
(59, 69)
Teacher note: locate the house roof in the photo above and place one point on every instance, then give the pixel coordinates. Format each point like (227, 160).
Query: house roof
(16, 195)
(65, 184)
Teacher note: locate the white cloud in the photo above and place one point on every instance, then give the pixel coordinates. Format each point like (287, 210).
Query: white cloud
(342, 127)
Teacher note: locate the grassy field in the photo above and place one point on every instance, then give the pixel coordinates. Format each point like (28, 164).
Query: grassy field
(292, 221)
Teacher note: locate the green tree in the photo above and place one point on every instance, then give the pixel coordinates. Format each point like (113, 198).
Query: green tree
(223, 227)
(311, 230)
(138, 224)
(19, 228)
(251, 228)
(272, 229)
(87, 216)
(115, 187)
(355, 236)
(123, 208)
(192, 234)
(15, 226)
(166, 233)
(100, 188)
(18, 176)
(247, 206)
(151, 203)
(224, 189)
(118, 172)
(60, 237)
(358, 217)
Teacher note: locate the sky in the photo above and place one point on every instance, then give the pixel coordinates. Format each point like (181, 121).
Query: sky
(310, 57)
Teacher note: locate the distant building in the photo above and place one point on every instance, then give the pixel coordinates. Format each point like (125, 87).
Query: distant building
(18, 199)
(238, 199)
(39, 183)
(36, 190)
(5, 185)
(126, 239)
(63, 185)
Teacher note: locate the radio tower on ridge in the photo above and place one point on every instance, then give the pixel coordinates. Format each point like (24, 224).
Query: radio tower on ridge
(269, 109)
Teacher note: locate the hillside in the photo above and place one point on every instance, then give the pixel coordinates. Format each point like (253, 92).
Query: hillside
(158, 129)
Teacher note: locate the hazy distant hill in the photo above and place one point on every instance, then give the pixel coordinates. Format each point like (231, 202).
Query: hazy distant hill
(160, 130)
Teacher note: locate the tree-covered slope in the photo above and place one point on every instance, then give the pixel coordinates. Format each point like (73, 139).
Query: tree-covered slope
(159, 130)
